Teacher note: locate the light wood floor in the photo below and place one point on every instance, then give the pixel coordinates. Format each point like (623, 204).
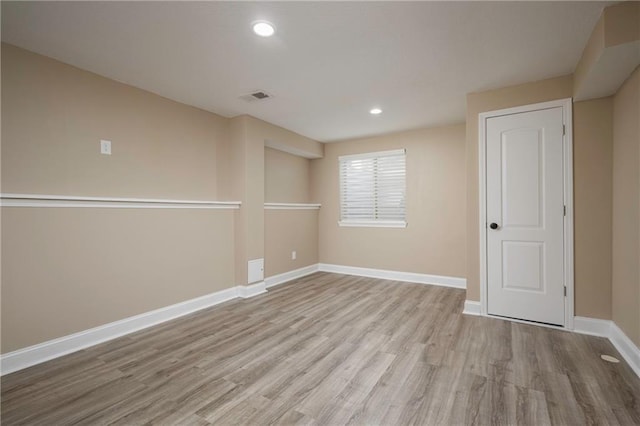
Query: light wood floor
(332, 349)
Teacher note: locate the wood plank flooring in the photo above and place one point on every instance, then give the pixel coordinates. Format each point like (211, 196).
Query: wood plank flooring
(332, 350)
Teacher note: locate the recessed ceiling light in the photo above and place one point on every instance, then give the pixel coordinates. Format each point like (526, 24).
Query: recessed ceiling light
(263, 28)
(375, 111)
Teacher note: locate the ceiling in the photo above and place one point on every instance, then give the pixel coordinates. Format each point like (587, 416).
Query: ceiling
(328, 64)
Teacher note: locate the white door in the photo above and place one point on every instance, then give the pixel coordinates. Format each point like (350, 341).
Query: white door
(525, 216)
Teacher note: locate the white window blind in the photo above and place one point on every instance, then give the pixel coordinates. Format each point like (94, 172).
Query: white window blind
(372, 189)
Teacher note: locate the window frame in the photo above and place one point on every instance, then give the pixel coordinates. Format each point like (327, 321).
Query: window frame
(371, 223)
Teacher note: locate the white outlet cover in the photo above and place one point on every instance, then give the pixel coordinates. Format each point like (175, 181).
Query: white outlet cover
(294, 255)
(105, 147)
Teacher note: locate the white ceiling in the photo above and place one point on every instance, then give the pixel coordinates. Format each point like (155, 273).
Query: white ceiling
(327, 65)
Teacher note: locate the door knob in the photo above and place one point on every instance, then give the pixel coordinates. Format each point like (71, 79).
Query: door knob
(493, 225)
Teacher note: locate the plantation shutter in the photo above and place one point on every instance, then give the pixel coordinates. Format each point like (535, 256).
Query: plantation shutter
(372, 189)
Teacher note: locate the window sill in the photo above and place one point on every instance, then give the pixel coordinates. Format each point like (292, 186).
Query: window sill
(373, 223)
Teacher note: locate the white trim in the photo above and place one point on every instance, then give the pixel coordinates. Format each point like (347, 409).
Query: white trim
(246, 291)
(521, 321)
(629, 351)
(36, 354)
(566, 105)
(526, 108)
(291, 206)
(609, 329)
(482, 211)
(411, 277)
(39, 200)
(373, 223)
(275, 280)
(374, 154)
(567, 121)
(471, 307)
(592, 326)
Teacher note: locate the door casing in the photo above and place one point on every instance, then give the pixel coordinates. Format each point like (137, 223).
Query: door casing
(567, 151)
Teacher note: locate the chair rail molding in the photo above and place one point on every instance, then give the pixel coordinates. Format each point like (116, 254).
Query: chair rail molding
(291, 206)
(57, 201)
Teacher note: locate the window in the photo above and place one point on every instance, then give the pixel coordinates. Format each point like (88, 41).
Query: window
(372, 189)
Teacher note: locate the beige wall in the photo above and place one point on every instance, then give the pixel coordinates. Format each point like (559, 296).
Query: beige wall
(286, 231)
(238, 174)
(539, 91)
(434, 241)
(287, 180)
(622, 23)
(593, 173)
(54, 116)
(248, 137)
(256, 133)
(65, 270)
(286, 177)
(247, 177)
(609, 52)
(626, 207)
(276, 137)
(590, 55)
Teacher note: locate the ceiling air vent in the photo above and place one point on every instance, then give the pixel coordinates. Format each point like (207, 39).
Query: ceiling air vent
(259, 95)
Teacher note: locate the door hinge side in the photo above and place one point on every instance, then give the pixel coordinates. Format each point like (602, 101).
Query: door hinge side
(564, 210)
(565, 291)
(564, 130)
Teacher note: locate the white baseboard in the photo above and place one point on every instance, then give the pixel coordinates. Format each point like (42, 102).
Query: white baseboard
(592, 326)
(629, 351)
(290, 275)
(36, 354)
(471, 307)
(246, 291)
(411, 277)
(609, 329)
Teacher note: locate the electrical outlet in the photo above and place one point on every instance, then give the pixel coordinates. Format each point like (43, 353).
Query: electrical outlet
(105, 147)
(294, 255)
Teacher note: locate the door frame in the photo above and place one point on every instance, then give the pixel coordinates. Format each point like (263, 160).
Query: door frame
(567, 172)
